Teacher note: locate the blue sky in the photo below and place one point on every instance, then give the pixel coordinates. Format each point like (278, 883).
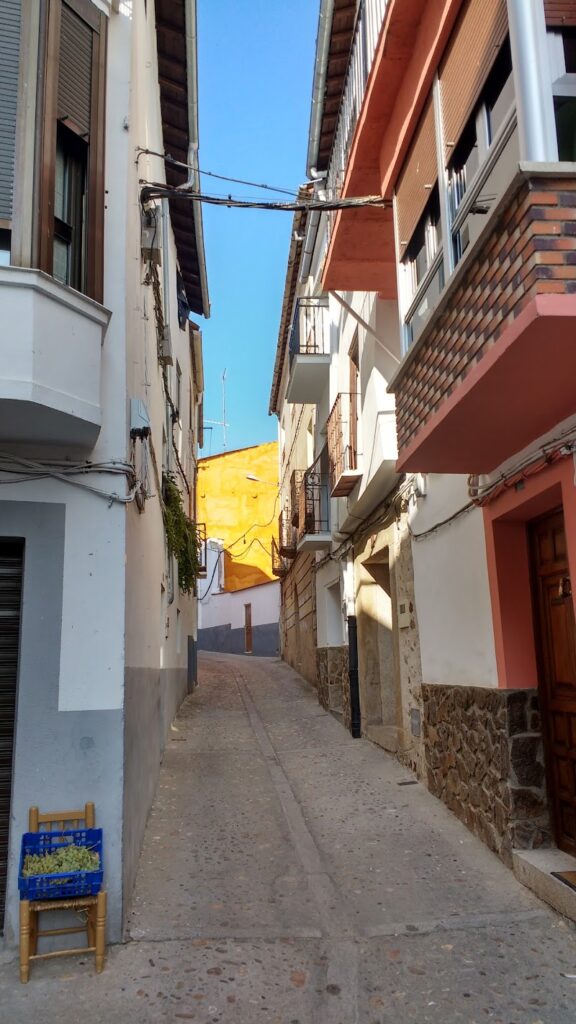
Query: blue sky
(255, 82)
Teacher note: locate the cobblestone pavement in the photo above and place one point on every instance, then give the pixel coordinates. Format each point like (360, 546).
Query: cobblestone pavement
(292, 875)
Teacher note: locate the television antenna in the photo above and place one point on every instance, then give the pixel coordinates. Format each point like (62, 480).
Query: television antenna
(221, 423)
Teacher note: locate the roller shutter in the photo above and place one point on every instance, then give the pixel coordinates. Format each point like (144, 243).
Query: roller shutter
(560, 12)
(10, 600)
(75, 71)
(476, 40)
(417, 179)
(9, 61)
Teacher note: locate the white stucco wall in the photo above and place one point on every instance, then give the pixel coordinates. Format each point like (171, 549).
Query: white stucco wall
(451, 587)
(223, 609)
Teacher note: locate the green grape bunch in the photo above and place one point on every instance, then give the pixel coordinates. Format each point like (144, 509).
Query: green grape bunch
(69, 858)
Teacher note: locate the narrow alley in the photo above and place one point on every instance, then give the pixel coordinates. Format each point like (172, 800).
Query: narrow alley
(293, 875)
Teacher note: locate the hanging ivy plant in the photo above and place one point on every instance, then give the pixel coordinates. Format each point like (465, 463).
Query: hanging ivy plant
(181, 536)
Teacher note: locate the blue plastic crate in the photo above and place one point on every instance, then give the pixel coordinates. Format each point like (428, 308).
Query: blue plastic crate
(60, 886)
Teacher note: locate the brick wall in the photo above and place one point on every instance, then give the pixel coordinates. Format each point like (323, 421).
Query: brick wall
(530, 251)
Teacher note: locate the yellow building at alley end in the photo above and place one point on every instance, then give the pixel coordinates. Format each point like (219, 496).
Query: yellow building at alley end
(239, 599)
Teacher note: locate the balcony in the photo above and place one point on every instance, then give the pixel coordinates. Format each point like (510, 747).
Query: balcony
(342, 431)
(295, 485)
(313, 517)
(201, 544)
(286, 535)
(280, 566)
(494, 367)
(309, 351)
(50, 363)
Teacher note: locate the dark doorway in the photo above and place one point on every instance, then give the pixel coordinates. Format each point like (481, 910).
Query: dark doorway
(11, 554)
(556, 644)
(248, 628)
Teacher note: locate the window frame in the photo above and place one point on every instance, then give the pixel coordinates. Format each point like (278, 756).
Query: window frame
(48, 120)
(445, 261)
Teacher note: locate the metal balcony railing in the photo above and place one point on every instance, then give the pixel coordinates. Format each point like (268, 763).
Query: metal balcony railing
(201, 543)
(369, 21)
(286, 535)
(313, 517)
(342, 438)
(295, 485)
(279, 565)
(309, 334)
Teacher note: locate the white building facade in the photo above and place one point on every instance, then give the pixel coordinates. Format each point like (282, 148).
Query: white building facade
(100, 407)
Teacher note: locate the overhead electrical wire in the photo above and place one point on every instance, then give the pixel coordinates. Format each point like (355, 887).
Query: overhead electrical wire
(221, 177)
(158, 190)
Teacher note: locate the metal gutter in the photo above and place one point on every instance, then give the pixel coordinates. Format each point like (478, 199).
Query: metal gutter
(190, 14)
(319, 84)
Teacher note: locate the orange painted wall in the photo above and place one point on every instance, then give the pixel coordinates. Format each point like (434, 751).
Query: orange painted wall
(243, 513)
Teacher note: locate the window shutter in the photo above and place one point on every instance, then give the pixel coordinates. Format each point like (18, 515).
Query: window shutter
(560, 13)
(418, 178)
(9, 61)
(75, 71)
(74, 92)
(476, 40)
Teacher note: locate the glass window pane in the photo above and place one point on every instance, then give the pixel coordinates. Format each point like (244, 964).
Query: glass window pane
(565, 109)
(60, 263)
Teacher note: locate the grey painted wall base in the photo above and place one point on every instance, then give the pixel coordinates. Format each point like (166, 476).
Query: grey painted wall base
(61, 758)
(224, 639)
(151, 699)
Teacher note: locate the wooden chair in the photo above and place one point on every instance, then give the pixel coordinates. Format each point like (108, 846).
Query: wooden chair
(93, 906)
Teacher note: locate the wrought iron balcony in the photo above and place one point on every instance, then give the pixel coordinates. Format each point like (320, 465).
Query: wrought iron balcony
(314, 515)
(295, 485)
(342, 430)
(309, 349)
(286, 535)
(201, 544)
(280, 565)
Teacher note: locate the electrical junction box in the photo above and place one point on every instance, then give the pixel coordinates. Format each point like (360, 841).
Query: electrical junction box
(404, 615)
(139, 419)
(165, 354)
(150, 237)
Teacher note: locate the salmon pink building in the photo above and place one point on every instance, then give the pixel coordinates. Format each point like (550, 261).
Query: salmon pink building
(461, 114)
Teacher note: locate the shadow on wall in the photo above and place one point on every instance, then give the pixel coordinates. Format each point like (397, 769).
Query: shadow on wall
(239, 575)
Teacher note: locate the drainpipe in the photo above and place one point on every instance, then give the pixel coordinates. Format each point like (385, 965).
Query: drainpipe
(319, 83)
(532, 81)
(355, 715)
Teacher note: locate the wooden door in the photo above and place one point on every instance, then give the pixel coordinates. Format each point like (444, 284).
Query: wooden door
(248, 628)
(556, 636)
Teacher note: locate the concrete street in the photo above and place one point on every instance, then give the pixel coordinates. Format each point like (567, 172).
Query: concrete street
(292, 875)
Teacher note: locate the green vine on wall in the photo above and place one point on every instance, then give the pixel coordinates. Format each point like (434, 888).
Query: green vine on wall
(181, 536)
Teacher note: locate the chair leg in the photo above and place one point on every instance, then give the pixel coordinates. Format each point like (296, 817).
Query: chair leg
(100, 931)
(34, 924)
(91, 925)
(24, 941)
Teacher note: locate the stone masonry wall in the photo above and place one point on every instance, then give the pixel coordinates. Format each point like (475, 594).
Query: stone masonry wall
(332, 663)
(484, 758)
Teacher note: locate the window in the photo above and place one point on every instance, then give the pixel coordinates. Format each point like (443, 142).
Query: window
(69, 258)
(424, 268)
(473, 153)
(179, 390)
(425, 243)
(71, 194)
(563, 59)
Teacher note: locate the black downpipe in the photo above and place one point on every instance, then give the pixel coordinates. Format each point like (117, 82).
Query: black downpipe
(355, 722)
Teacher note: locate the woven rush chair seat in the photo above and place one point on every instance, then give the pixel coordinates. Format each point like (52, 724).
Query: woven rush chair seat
(91, 908)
